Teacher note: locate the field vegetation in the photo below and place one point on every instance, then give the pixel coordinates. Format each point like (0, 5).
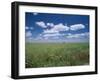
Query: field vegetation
(56, 54)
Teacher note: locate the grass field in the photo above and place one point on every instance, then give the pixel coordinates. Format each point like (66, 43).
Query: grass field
(56, 54)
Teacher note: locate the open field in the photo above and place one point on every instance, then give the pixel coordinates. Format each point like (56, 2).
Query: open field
(56, 54)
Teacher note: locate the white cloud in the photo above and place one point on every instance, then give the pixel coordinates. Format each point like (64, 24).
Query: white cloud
(26, 27)
(77, 27)
(81, 35)
(56, 28)
(51, 35)
(50, 31)
(35, 13)
(41, 24)
(50, 24)
(60, 27)
(54, 32)
(38, 38)
(31, 28)
(85, 34)
(28, 34)
(73, 36)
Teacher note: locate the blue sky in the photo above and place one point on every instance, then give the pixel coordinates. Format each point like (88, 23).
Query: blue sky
(47, 27)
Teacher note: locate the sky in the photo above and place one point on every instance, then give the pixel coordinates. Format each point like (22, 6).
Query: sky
(49, 27)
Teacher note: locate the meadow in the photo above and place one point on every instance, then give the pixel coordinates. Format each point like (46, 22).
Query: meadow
(56, 54)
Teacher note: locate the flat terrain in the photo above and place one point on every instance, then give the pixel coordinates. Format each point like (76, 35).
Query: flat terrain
(56, 54)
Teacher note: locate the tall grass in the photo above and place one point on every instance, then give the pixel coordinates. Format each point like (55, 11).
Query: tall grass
(56, 54)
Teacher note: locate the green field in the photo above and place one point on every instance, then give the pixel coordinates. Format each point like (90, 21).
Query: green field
(56, 54)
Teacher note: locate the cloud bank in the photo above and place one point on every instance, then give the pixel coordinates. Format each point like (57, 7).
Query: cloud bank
(60, 31)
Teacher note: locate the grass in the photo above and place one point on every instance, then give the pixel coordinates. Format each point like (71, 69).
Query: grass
(56, 54)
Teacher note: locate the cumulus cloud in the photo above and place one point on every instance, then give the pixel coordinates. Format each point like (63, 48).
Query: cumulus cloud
(50, 31)
(50, 24)
(80, 35)
(41, 24)
(51, 35)
(60, 27)
(77, 27)
(73, 36)
(26, 27)
(55, 31)
(29, 28)
(39, 37)
(28, 34)
(45, 36)
(56, 28)
(85, 34)
(35, 13)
